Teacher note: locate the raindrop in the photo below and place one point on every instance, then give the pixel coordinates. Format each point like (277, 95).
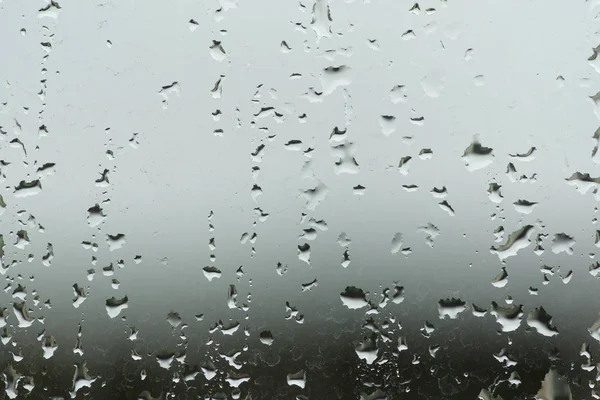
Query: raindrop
(509, 317)
(469, 54)
(115, 242)
(353, 298)
(335, 77)
(404, 165)
(216, 51)
(304, 253)
(527, 156)
(408, 35)
(516, 241)
(367, 349)
(266, 337)
(554, 387)
(193, 24)
(396, 243)
(447, 207)
(398, 94)
(494, 193)
(451, 308)
(49, 346)
(95, 216)
(524, 206)
(211, 273)
(563, 243)
(174, 319)
(26, 189)
(321, 19)
(297, 379)
(541, 321)
(477, 156)
(285, 48)
(114, 306)
(80, 295)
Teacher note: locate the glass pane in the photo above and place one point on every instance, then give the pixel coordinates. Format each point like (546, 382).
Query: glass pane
(299, 199)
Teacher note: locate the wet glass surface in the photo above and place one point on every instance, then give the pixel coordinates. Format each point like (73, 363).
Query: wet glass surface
(328, 199)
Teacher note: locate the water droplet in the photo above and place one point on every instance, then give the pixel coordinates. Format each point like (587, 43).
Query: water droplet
(230, 328)
(554, 387)
(478, 311)
(22, 239)
(447, 207)
(451, 308)
(408, 35)
(321, 19)
(80, 295)
(49, 346)
(166, 91)
(26, 189)
(304, 253)
(285, 48)
(583, 182)
(524, 206)
(527, 156)
(469, 54)
(211, 273)
(477, 156)
(216, 51)
(404, 165)
(51, 10)
(415, 9)
(315, 196)
(294, 145)
(509, 317)
(235, 379)
(516, 241)
(594, 269)
(402, 344)
(174, 319)
(353, 298)
(563, 243)
(193, 24)
(115, 242)
(297, 379)
(367, 349)
(165, 359)
(310, 285)
(396, 243)
(398, 94)
(22, 313)
(266, 337)
(11, 379)
(114, 306)
(494, 193)
(95, 216)
(427, 329)
(594, 60)
(439, 193)
(335, 77)
(425, 154)
(372, 43)
(217, 89)
(541, 321)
